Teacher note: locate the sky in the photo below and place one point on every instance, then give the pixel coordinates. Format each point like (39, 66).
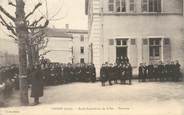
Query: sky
(60, 13)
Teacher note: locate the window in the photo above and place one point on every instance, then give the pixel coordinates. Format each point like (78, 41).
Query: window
(111, 42)
(82, 38)
(123, 6)
(111, 5)
(117, 5)
(133, 41)
(154, 49)
(82, 60)
(145, 42)
(82, 50)
(118, 42)
(124, 42)
(121, 42)
(166, 41)
(132, 6)
(151, 5)
(144, 5)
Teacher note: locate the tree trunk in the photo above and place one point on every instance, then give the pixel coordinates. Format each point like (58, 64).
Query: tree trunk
(22, 32)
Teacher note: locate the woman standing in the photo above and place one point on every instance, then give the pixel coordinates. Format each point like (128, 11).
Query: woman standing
(37, 84)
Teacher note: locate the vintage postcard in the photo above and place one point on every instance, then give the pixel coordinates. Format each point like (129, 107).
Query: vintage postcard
(83, 57)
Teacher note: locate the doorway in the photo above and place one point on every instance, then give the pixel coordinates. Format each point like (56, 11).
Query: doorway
(121, 52)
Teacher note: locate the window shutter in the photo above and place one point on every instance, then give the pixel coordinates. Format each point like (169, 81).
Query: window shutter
(133, 52)
(144, 5)
(145, 51)
(111, 42)
(166, 50)
(111, 5)
(132, 6)
(133, 42)
(145, 41)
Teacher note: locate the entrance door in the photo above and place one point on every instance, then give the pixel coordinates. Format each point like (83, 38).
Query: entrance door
(121, 52)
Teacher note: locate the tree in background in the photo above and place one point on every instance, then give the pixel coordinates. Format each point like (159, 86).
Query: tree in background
(29, 36)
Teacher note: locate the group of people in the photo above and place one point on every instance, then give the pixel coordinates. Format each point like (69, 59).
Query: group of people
(55, 73)
(48, 73)
(8, 81)
(160, 72)
(120, 71)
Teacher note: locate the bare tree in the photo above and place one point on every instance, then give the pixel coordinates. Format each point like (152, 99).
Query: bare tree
(29, 36)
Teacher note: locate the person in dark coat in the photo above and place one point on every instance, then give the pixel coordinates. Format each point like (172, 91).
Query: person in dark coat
(103, 74)
(110, 73)
(129, 73)
(178, 73)
(93, 73)
(37, 84)
(116, 72)
(122, 73)
(150, 71)
(145, 75)
(66, 74)
(172, 71)
(141, 72)
(161, 71)
(167, 71)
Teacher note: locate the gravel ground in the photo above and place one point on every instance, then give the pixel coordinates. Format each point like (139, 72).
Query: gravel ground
(151, 98)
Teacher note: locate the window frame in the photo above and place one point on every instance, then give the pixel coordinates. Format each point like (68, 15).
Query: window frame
(132, 5)
(133, 41)
(117, 6)
(123, 42)
(82, 49)
(82, 38)
(111, 3)
(166, 41)
(111, 42)
(152, 6)
(155, 48)
(82, 61)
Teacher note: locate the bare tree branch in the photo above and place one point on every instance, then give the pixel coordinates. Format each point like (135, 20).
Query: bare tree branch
(14, 37)
(36, 7)
(9, 27)
(7, 14)
(58, 11)
(37, 21)
(44, 45)
(44, 53)
(11, 3)
(41, 26)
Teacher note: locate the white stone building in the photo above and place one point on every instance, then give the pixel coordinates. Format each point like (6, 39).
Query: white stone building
(59, 46)
(67, 45)
(144, 30)
(80, 46)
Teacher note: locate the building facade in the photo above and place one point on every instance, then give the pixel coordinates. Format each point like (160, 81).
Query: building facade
(143, 30)
(8, 59)
(8, 51)
(80, 46)
(59, 46)
(67, 45)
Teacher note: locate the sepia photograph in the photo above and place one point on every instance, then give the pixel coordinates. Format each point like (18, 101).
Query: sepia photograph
(84, 57)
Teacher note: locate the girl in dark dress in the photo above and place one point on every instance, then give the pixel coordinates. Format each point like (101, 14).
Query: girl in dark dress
(37, 84)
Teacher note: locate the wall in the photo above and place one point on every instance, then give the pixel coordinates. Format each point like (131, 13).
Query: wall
(61, 50)
(105, 25)
(140, 27)
(77, 43)
(168, 6)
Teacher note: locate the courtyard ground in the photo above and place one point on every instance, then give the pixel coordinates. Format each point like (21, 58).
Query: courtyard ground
(151, 98)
